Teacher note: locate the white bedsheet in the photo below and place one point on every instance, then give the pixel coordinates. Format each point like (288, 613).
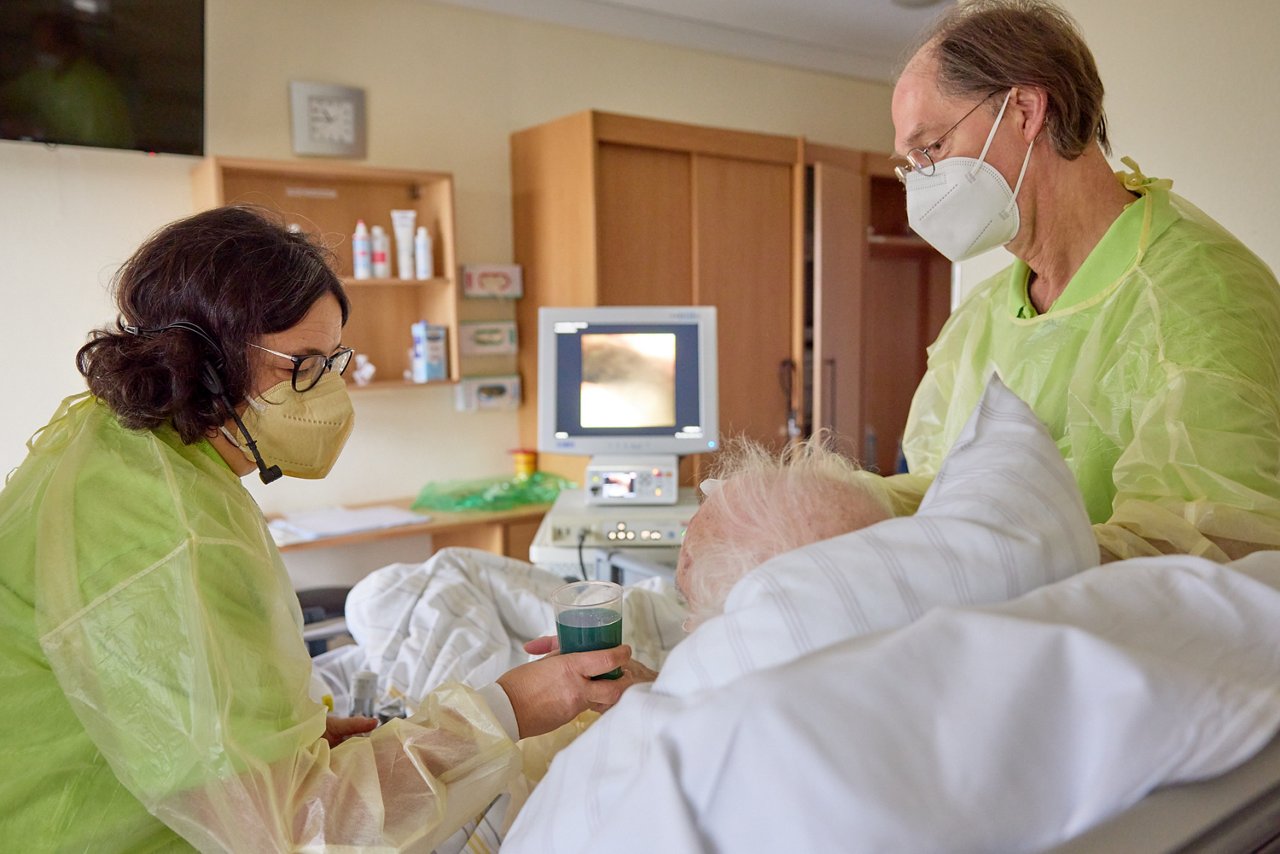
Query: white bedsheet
(1008, 727)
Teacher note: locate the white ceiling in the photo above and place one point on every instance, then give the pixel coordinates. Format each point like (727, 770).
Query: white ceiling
(855, 38)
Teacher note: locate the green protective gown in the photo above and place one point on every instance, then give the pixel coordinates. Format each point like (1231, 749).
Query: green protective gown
(155, 678)
(1157, 371)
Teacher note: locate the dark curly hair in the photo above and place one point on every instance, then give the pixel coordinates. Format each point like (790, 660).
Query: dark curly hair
(236, 273)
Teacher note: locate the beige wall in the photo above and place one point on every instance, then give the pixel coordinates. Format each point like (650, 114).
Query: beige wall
(445, 89)
(1191, 95)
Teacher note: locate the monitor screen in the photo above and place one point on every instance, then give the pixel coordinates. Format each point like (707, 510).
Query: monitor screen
(635, 380)
(105, 73)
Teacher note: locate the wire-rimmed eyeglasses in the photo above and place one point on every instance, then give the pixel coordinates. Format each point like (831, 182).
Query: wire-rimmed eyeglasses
(920, 160)
(307, 370)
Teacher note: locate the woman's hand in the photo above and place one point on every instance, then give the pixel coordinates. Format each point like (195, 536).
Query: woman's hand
(338, 730)
(552, 691)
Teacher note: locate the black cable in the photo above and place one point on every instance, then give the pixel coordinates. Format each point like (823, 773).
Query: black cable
(582, 564)
(211, 377)
(269, 474)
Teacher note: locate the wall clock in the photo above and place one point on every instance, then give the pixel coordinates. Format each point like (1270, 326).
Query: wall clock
(327, 119)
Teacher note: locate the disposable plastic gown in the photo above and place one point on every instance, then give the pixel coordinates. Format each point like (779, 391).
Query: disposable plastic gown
(152, 665)
(1157, 372)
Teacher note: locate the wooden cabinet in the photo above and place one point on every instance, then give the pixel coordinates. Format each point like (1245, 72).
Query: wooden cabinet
(878, 293)
(617, 210)
(326, 199)
(825, 299)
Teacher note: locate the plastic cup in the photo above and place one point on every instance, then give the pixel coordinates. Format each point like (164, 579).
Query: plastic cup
(526, 462)
(589, 616)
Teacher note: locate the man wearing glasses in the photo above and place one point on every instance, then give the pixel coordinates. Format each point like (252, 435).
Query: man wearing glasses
(1144, 335)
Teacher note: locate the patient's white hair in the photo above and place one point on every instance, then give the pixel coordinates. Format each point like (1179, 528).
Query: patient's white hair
(765, 504)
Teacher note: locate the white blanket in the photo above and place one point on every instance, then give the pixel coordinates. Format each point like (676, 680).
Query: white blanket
(1008, 727)
(464, 616)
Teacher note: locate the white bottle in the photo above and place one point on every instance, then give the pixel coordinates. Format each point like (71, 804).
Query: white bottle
(360, 255)
(402, 223)
(364, 694)
(381, 242)
(422, 253)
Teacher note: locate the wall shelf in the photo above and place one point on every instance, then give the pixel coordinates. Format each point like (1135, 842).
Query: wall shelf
(325, 199)
(392, 384)
(348, 282)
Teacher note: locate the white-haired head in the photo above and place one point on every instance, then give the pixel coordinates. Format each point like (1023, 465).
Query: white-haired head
(762, 504)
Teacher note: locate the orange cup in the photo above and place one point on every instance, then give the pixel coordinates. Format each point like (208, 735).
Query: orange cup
(526, 462)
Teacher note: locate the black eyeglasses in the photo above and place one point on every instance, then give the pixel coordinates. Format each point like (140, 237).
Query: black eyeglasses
(307, 370)
(920, 160)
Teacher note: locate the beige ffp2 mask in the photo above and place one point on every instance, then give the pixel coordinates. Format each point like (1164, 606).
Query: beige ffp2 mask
(304, 433)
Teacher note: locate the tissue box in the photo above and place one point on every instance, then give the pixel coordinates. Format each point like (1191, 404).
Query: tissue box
(476, 394)
(492, 280)
(490, 338)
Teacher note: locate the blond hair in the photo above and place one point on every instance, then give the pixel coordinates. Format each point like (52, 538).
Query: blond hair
(766, 504)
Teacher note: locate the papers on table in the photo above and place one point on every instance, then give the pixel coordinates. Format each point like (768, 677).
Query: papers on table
(337, 521)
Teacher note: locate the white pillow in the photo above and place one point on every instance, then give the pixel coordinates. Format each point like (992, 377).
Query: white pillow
(1003, 517)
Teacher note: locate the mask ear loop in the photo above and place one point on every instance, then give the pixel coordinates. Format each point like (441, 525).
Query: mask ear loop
(1021, 173)
(982, 158)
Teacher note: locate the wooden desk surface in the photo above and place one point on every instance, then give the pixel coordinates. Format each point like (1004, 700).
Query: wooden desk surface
(439, 522)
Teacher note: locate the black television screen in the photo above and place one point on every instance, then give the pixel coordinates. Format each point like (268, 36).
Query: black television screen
(106, 73)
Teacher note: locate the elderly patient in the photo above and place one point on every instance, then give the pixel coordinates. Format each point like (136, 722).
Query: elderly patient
(760, 505)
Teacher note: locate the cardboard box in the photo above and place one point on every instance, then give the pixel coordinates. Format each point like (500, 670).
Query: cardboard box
(429, 357)
(492, 281)
(477, 394)
(487, 338)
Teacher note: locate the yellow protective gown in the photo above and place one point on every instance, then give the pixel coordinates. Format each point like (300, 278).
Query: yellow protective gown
(155, 679)
(1157, 371)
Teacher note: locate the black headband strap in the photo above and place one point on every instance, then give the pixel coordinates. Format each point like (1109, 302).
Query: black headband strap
(186, 326)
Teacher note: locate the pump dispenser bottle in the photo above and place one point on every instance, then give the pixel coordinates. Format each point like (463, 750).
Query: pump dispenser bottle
(361, 261)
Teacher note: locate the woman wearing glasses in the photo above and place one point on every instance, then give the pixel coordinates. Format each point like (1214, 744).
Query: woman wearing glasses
(151, 659)
(1144, 335)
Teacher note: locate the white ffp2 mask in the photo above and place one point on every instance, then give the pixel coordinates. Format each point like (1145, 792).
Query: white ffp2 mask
(965, 207)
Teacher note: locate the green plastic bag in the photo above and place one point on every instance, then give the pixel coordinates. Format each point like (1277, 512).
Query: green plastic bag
(492, 493)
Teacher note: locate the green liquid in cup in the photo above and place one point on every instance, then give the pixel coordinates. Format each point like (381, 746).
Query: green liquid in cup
(590, 628)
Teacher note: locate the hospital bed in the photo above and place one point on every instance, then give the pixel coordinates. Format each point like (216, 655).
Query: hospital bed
(1236, 812)
(1115, 685)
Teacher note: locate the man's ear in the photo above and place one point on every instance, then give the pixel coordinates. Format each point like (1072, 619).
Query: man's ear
(1030, 108)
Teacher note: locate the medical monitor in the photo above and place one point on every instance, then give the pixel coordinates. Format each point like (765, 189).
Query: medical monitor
(624, 381)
